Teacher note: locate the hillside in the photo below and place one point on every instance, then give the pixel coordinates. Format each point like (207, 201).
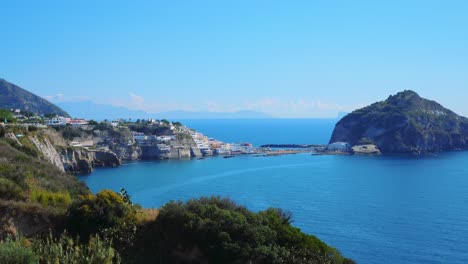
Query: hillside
(15, 97)
(404, 123)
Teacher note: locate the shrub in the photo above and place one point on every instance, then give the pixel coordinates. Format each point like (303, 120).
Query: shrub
(70, 133)
(106, 213)
(47, 198)
(66, 250)
(9, 190)
(219, 231)
(16, 251)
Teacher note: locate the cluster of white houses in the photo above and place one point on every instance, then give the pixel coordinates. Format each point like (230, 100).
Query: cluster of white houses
(210, 146)
(62, 121)
(141, 138)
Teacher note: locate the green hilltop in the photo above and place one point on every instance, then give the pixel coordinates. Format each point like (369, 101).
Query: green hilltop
(404, 123)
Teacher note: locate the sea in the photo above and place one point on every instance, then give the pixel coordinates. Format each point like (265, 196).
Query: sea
(373, 209)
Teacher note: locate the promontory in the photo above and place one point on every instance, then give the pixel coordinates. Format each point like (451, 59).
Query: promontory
(404, 123)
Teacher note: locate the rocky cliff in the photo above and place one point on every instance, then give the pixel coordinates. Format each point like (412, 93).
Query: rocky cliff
(181, 152)
(183, 147)
(404, 123)
(50, 146)
(79, 160)
(48, 150)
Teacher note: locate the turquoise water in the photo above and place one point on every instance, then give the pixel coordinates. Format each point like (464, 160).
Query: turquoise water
(383, 209)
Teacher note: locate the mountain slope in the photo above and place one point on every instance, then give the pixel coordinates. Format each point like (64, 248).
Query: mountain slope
(14, 97)
(404, 123)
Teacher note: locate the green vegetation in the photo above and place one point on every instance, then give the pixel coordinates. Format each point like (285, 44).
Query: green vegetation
(69, 132)
(9, 190)
(404, 123)
(16, 251)
(92, 122)
(151, 130)
(66, 250)
(63, 250)
(106, 213)
(219, 231)
(47, 198)
(38, 181)
(5, 115)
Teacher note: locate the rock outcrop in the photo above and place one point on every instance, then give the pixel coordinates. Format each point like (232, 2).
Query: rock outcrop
(82, 161)
(404, 123)
(129, 152)
(181, 152)
(182, 147)
(48, 151)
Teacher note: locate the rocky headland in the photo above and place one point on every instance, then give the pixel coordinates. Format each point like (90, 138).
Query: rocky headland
(404, 123)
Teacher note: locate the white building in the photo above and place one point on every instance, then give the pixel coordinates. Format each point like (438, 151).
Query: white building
(165, 138)
(164, 147)
(139, 137)
(339, 146)
(58, 121)
(115, 123)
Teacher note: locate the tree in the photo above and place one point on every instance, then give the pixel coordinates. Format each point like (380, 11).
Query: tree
(92, 122)
(6, 116)
(107, 213)
(50, 115)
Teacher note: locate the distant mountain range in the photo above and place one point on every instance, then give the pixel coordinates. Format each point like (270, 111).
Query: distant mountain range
(91, 110)
(15, 97)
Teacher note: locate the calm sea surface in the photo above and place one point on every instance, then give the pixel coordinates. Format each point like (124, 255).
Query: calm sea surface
(385, 209)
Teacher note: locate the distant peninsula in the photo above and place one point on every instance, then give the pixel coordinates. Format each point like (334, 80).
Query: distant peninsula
(404, 123)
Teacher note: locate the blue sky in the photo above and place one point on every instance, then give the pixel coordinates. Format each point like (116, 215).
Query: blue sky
(286, 58)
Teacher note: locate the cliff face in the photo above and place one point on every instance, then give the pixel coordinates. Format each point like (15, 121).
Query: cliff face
(404, 123)
(79, 160)
(183, 147)
(125, 147)
(48, 151)
(181, 152)
(51, 147)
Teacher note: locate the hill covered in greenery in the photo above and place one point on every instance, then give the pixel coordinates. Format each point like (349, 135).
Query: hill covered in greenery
(404, 123)
(15, 97)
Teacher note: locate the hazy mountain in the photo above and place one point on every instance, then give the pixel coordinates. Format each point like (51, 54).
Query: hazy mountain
(213, 115)
(95, 111)
(404, 123)
(90, 110)
(15, 97)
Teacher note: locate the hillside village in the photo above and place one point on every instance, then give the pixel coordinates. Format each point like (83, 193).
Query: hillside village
(127, 139)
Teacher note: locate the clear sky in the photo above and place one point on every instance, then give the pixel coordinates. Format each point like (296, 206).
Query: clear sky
(286, 58)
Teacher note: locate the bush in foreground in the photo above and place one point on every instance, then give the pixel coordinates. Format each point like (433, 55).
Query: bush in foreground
(107, 213)
(216, 230)
(15, 251)
(66, 250)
